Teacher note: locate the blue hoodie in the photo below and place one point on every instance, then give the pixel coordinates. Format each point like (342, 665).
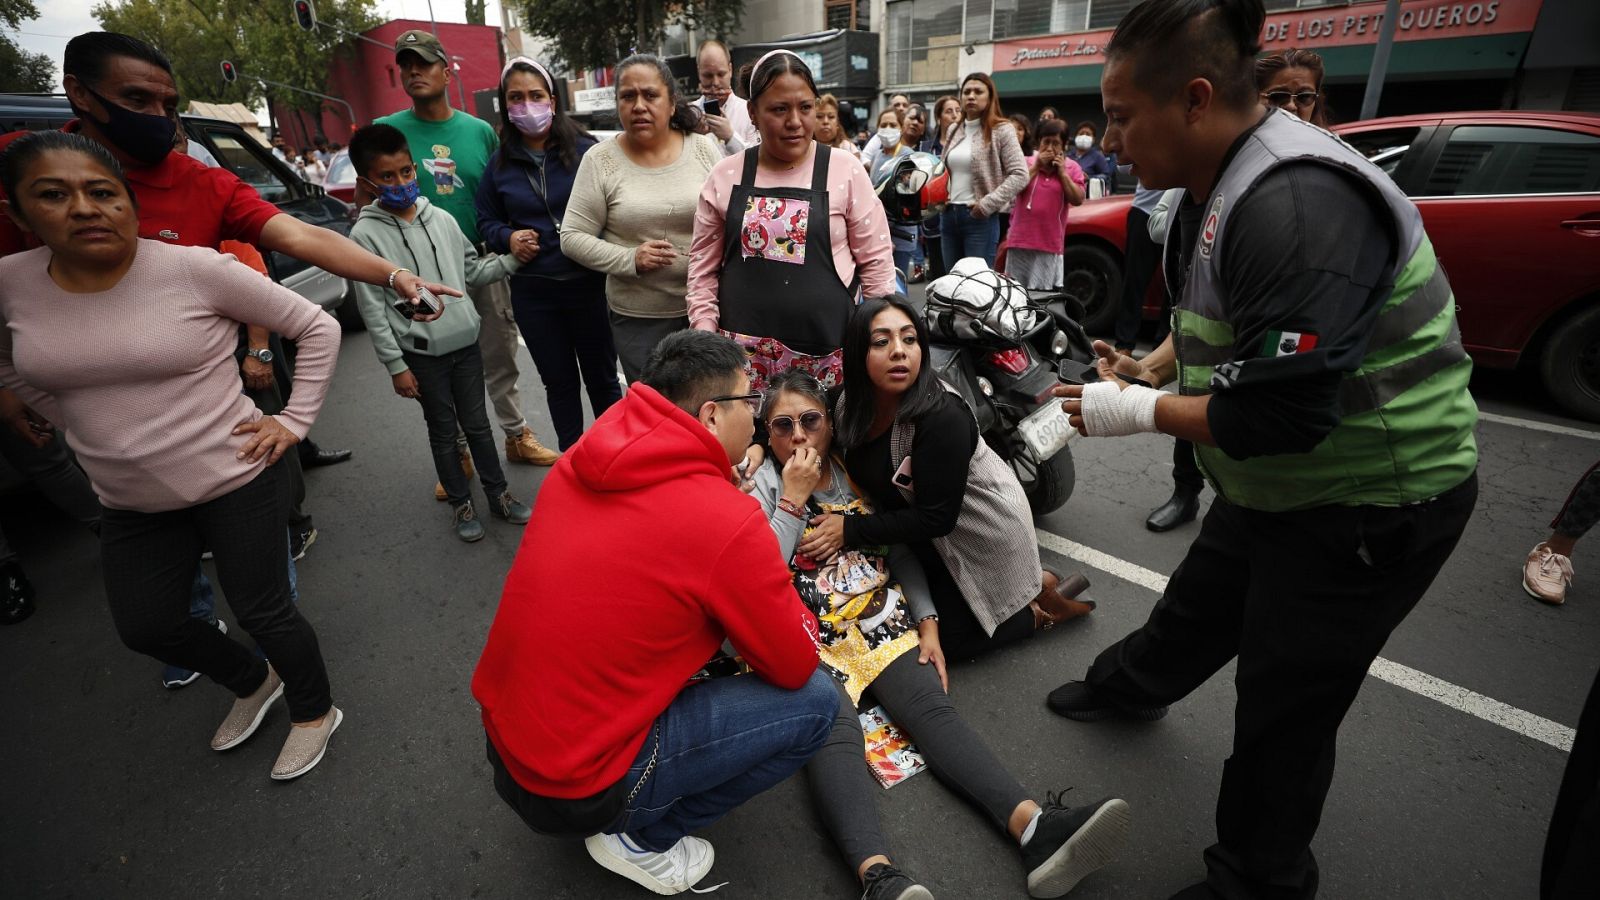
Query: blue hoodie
(508, 201)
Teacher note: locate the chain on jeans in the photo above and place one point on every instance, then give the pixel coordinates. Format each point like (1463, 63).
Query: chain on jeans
(649, 766)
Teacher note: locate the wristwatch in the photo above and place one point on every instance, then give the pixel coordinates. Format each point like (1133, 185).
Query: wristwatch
(263, 355)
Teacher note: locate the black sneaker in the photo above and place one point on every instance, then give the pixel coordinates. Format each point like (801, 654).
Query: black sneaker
(1078, 701)
(885, 882)
(510, 508)
(16, 594)
(1070, 842)
(300, 541)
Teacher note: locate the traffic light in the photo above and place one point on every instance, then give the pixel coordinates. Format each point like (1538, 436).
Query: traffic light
(304, 15)
(229, 73)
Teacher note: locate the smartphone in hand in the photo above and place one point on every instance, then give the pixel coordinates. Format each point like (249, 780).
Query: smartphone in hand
(713, 107)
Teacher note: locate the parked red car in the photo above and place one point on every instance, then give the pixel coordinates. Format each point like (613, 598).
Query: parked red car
(1511, 200)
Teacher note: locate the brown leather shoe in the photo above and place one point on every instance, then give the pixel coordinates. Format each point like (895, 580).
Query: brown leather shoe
(1057, 601)
(466, 468)
(525, 448)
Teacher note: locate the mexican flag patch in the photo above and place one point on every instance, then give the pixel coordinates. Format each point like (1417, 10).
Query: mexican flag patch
(1287, 343)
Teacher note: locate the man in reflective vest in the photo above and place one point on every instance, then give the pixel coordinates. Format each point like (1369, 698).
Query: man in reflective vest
(1323, 382)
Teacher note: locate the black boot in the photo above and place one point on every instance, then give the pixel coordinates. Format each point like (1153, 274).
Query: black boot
(1183, 507)
(16, 594)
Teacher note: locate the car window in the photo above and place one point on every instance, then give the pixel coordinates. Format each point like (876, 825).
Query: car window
(1390, 143)
(250, 164)
(340, 171)
(1515, 159)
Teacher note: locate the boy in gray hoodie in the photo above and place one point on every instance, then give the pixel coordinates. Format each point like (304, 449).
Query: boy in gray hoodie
(437, 363)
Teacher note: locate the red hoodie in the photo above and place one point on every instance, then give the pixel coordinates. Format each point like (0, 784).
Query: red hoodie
(640, 559)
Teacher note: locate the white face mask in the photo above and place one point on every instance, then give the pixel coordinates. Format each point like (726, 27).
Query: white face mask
(1083, 142)
(888, 137)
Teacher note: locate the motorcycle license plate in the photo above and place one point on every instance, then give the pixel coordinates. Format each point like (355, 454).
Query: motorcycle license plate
(1046, 430)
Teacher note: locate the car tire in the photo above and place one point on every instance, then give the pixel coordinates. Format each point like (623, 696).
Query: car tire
(348, 313)
(1570, 364)
(1093, 277)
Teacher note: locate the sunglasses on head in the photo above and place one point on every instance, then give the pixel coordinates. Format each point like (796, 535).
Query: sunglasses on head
(783, 426)
(1284, 98)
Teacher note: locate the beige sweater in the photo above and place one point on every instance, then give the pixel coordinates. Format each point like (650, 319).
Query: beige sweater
(617, 205)
(999, 170)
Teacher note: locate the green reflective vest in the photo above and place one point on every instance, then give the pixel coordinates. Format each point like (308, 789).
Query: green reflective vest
(1406, 429)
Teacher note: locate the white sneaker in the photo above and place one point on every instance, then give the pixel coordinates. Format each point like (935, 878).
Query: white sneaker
(672, 872)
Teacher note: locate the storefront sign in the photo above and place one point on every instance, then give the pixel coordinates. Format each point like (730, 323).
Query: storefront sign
(1420, 20)
(594, 100)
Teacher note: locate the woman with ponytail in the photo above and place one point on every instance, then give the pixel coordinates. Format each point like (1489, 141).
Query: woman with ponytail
(560, 306)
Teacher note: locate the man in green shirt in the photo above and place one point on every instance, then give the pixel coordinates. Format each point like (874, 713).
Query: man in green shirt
(452, 148)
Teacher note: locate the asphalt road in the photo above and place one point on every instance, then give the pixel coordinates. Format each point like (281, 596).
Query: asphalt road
(110, 789)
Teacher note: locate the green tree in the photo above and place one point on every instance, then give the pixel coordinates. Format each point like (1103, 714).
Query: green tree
(261, 38)
(21, 70)
(475, 13)
(591, 34)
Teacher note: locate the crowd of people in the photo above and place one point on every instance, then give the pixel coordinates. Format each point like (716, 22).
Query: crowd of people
(732, 255)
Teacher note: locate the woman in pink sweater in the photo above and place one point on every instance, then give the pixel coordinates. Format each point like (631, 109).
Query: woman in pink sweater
(128, 344)
(757, 271)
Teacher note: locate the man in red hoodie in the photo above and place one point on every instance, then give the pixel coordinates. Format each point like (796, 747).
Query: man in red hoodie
(641, 558)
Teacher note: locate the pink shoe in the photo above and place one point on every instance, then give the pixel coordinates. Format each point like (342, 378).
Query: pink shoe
(1547, 575)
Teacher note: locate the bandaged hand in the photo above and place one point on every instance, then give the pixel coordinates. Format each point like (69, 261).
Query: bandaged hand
(1112, 410)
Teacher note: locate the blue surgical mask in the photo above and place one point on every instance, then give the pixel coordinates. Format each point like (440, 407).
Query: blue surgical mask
(397, 196)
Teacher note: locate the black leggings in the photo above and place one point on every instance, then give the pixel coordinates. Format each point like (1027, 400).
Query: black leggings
(1582, 508)
(961, 635)
(845, 791)
(149, 563)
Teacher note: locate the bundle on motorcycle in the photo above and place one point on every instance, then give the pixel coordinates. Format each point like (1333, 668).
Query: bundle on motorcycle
(1001, 347)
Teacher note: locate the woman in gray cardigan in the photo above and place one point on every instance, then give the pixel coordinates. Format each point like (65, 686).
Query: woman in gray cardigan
(987, 171)
(913, 448)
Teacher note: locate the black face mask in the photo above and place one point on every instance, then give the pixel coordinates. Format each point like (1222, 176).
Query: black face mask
(146, 138)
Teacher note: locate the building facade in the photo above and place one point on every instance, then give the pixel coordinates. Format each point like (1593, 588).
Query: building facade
(1448, 54)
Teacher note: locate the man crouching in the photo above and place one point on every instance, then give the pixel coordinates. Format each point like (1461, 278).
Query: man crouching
(641, 558)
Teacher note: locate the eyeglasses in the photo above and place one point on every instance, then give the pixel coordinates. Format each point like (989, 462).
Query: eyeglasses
(783, 426)
(754, 399)
(1284, 98)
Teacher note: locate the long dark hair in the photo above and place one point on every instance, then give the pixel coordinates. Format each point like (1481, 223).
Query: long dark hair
(683, 118)
(565, 134)
(854, 418)
(994, 116)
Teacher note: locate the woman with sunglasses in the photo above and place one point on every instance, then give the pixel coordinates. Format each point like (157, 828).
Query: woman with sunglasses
(913, 447)
(1292, 79)
(879, 631)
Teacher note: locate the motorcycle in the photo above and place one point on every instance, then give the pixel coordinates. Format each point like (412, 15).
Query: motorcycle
(1007, 382)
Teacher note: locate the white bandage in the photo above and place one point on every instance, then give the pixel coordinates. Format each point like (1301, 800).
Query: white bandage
(1110, 411)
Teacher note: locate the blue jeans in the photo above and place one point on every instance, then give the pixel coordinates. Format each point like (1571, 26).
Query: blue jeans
(965, 236)
(719, 744)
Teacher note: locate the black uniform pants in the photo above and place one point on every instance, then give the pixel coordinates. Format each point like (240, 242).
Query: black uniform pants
(1571, 866)
(1137, 267)
(1305, 600)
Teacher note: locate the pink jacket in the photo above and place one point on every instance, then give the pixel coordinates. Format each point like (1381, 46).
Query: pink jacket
(999, 170)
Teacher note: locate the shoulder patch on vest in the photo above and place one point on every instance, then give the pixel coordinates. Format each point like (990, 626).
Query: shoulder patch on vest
(1208, 232)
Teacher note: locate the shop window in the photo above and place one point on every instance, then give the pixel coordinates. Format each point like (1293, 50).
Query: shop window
(925, 40)
(854, 15)
(1490, 159)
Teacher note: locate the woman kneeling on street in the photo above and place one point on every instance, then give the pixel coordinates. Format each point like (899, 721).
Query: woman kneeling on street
(960, 510)
(128, 345)
(879, 632)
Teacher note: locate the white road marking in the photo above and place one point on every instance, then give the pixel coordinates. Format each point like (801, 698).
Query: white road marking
(1538, 426)
(1459, 698)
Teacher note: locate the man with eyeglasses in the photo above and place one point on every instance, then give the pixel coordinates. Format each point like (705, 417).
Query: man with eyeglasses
(642, 557)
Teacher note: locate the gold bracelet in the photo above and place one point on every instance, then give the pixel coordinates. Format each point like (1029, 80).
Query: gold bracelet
(394, 273)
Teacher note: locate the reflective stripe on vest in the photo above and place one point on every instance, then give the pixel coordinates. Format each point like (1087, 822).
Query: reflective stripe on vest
(1405, 433)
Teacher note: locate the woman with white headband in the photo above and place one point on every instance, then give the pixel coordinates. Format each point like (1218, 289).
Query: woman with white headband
(761, 272)
(631, 213)
(522, 198)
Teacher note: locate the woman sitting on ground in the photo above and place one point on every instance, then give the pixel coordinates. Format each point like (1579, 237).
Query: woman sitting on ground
(959, 508)
(880, 632)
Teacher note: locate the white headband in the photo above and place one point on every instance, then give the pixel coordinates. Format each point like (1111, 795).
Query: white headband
(764, 57)
(543, 72)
